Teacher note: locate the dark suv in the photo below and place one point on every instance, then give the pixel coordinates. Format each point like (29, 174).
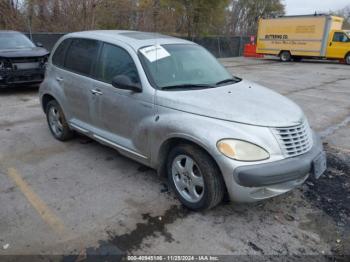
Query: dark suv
(21, 61)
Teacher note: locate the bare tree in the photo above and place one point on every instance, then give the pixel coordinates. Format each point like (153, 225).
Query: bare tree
(10, 15)
(245, 14)
(345, 12)
(182, 17)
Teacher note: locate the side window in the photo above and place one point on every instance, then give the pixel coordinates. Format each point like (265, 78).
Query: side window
(60, 52)
(340, 37)
(115, 61)
(81, 55)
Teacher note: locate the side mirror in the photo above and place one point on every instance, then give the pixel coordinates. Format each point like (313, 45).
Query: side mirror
(38, 44)
(124, 82)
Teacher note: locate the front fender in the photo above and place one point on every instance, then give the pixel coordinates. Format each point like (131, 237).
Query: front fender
(205, 132)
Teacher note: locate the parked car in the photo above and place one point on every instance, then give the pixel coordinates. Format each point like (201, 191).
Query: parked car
(21, 62)
(169, 104)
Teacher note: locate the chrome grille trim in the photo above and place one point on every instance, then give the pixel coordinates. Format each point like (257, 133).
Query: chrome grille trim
(294, 140)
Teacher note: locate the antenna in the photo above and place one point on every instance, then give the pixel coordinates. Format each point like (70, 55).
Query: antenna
(155, 16)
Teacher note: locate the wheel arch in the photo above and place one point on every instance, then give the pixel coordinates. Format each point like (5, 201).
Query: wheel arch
(46, 98)
(168, 144)
(346, 55)
(284, 50)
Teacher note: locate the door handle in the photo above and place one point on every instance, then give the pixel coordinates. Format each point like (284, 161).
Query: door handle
(59, 79)
(330, 44)
(96, 92)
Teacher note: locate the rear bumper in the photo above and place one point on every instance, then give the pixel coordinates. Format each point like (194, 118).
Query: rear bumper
(18, 77)
(278, 172)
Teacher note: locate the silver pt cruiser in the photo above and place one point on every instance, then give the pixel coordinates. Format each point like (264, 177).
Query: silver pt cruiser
(169, 104)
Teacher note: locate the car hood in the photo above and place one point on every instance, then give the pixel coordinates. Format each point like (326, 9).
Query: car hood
(243, 102)
(28, 52)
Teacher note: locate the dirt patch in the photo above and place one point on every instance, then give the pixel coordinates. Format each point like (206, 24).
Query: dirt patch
(33, 156)
(151, 226)
(143, 169)
(116, 245)
(255, 247)
(331, 194)
(7, 124)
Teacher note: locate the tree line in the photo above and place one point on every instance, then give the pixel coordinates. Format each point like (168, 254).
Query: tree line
(191, 18)
(179, 17)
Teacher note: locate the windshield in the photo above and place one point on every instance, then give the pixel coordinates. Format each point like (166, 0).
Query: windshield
(183, 65)
(14, 41)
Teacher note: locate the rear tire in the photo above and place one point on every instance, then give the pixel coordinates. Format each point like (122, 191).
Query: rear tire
(57, 122)
(347, 59)
(195, 177)
(285, 56)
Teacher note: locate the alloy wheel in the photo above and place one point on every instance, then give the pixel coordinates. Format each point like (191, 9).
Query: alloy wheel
(55, 121)
(188, 178)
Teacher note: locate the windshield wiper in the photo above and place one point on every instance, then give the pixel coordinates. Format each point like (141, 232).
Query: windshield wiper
(229, 80)
(190, 86)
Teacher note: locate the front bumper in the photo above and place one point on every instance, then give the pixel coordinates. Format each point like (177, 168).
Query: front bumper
(251, 183)
(278, 172)
(18, 77)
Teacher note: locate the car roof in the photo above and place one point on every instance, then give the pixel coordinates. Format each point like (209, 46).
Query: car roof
(135, 39)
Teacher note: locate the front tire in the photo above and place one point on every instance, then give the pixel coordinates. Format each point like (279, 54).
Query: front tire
(285, 56)
(195, 177)
(347, 59)
(57, 122)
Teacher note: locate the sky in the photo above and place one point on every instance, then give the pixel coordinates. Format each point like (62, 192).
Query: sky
(302, 7)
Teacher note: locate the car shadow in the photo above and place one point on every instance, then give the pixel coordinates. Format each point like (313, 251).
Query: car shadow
(19, 90)
(307, 61)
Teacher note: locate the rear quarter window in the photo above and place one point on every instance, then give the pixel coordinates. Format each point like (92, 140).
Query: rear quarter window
(81, 56)
(60, 53)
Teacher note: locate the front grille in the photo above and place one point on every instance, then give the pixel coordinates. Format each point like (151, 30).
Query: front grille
(25, 78)
(295, 140)
(25, 59)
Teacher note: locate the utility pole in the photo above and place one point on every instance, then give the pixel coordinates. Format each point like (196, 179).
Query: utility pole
(30, 26)
(156, 7)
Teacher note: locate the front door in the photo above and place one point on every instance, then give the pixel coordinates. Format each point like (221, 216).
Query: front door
(339, 45)
(122, 116)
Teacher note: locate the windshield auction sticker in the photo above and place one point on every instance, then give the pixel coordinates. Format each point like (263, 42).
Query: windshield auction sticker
(154, 53)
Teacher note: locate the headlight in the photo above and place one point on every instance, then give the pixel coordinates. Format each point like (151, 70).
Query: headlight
(241, 150)
(42, 61)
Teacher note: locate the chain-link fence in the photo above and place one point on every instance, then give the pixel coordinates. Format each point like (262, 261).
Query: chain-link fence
(220, 46)
(223, 46)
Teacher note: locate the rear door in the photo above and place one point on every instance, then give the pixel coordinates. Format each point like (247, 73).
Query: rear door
(79, 64)
(339, 45)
